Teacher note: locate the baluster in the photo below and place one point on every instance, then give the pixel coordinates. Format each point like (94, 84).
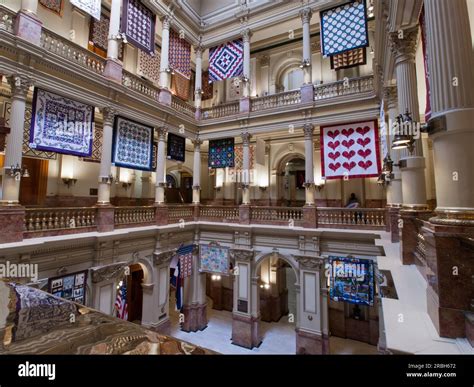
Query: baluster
(56, 220)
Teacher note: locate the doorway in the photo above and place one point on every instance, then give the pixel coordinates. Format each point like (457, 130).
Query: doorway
(135, 293)
(33, 188)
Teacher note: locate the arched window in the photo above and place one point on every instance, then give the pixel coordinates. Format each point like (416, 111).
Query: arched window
(292, 79)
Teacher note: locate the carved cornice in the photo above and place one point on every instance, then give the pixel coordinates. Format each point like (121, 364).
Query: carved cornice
(403, 44)
(311, 263)
(163, 257)
(108, 272)
(242, 255)
(19, 85)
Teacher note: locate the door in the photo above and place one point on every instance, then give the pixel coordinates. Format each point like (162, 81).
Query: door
(33, 188)
(135, 293)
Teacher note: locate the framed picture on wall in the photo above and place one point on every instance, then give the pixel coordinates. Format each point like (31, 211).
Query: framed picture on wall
(70, 286)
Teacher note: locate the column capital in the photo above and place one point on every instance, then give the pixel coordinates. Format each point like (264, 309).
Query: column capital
(162, 133)
(109, 114)
(245, 138)
(403, 44)
(305, 15)
(308, 131)
(198, 50)
(390, 96)
(246, 35)
(19, 85)
(264, 60)
(196, 142)
(166, 21)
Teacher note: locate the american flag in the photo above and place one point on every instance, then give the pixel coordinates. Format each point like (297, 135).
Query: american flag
(121, 307)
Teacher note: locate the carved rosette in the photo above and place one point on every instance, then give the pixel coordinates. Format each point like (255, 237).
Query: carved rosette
(163, 257)
(108, 272)
(310, 263)
(242, 255)
(19, 85)
(403, 44)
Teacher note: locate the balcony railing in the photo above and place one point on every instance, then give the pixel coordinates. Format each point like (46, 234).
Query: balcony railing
(66, 49)
(140, 85)
(276, 100)
(7, 18)
(56, 221)
(179, 213)
(288, 216)
(183, 106)
(218, 111)
(134, 215)
(360, 218)
(346, 87)
(227, 214)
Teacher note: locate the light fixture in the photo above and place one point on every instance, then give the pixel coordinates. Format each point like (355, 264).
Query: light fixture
(216, 277)
(262, 188)
(17, 171)
(320, 184)
(305, 63)
(403, 139)
(69, 181)
(169, 70)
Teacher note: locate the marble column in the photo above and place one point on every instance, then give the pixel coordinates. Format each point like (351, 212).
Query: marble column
(245, 100)
(161, 168)
(198, 82)
(403, 46)
(451, 127)
(309, 164)
(307, 89)
(108, 114)
(165, 71)
(19, 86)
(394, 188)
(113, 66)
(245, 173)
(197, 170)
(27, 25)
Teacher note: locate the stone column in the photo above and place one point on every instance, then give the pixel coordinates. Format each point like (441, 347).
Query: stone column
(113, 67)
(197, 170)
(19, 86)
(451, 75)
(198, 82)
(245, 100)
(412, 165)
(165, 73)
(161, 168)
(105, 211)
(307, 90)
(246, 313)
(245, 173)
(309, 165)
(394, 189)
(27, 25)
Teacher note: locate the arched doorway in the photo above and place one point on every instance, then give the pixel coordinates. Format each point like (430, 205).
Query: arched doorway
(135, 293)
(179, 185)
(291, 173)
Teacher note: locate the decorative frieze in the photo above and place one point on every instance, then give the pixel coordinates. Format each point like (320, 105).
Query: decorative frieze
(163, 257)
(108, 272)
(309, 263)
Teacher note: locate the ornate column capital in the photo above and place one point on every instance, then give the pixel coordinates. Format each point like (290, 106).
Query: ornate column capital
(108, 272)
(403, 44)
(163, 257)
(242, 255)
(196, 142)
(246, 35)
(198, 50)
(308, 131)
(166, 21)
(109, 113)
(245, 138)
(311, 263)
(19, 85)
(162, 133)
(390, 96)
(305, 15)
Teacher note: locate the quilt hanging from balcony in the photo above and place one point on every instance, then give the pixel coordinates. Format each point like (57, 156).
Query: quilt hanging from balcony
(149, 66)
(214, 259)
(348, 59)
(91, 7)
(180, 86)
(60, 124)
(185, 256)
(176, 147)
(350, 150)
(180, 54)
(239, 157)
(207, 86)
(55, 6)
(138, 24)
(221, 153)
(132, 145)
(226, 60)
(344, 28)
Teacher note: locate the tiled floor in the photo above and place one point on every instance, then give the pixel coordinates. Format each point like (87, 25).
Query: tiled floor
(279, 338)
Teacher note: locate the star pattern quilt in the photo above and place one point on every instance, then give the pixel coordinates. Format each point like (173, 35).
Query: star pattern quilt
(226, 60)
(60, 124)
(132, 144)
(138, 24)
(214, 259)
(344, 28)
(221, 153)
(350, 150)
(149, 66)
(55, 6)
(176, 147)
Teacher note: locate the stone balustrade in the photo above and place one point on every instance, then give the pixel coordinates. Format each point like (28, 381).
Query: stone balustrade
(179, 213)
(359, 218)
(182, 106)
(70, 51)
(7, 18)
(276, 100)
(348, 86)
(227, 214)
(140, 85)
(134, 215)
(223, 110)
(291, 216)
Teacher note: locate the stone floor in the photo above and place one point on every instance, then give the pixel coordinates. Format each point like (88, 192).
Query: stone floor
(279, 338)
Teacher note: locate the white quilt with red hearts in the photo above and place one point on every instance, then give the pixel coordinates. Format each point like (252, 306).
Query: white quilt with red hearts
(350, 150)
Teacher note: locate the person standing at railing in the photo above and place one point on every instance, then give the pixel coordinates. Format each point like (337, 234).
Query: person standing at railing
(353, 202)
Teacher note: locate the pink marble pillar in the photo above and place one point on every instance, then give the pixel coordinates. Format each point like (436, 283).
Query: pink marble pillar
(309, 343)
(307, 93)
(409, 233)
(28, 27)
(245, 331)
(161, 214)
(244, 105)
(105, 218)
(12, 223)
(195, 318)
(310, 217)
(244, 214)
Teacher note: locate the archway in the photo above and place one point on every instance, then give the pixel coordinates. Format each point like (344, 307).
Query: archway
(179, 183)
(291, 179)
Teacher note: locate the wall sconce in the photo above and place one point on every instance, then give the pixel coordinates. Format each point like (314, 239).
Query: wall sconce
(169, 70)
(263, 188)
(320, 184)
(17, 171)
(69, 181)
(305, 63)
(126, 185)
(403, 139)
(216, 277)
(244, 78)
(265, 286)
